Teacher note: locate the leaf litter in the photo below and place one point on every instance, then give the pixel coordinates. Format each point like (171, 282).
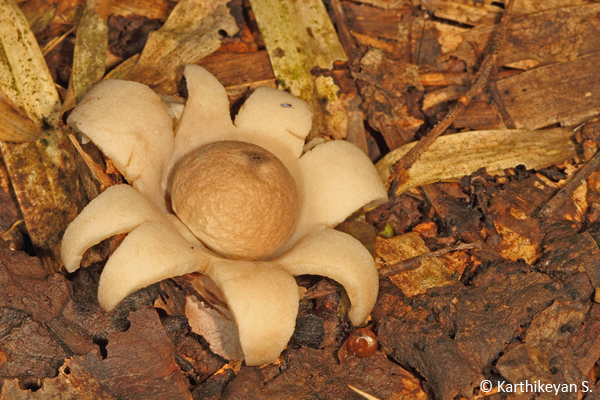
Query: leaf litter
(519, 305)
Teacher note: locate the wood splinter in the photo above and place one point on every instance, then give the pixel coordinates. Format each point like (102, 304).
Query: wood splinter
(566, 191)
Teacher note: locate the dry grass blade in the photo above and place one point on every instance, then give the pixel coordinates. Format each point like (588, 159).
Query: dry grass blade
(287, 26)
(363, 394)
(89, 57)
(461, 154)
(42, 173)
(24, 76)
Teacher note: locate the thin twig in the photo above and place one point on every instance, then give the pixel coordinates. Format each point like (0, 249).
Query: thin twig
(415, 262)
(11, 228)
(566, 191)
(402, 266)
(493, 88)
(481, 78)
(57, 40)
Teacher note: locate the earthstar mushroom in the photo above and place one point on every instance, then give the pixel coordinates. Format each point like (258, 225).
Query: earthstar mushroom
(253, 164)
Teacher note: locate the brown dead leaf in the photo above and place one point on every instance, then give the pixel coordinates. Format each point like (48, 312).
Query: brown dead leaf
(27, 348)
(385, 84)
(556, 93)
(138, 363)
(192, 31)
(15, 125)
(450, 338)
(549, 37)
(30, 300)
(220, 332)
(25, 285)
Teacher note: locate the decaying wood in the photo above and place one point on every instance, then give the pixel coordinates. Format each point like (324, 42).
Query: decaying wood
(552, 94)
(415, 262)
(566, 191)
(372, 21)
(479, 82)
(547, 37)
(240, 72)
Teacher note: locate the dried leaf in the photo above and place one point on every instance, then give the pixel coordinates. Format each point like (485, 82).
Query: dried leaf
(24, 76)
(461, 154)
(39, 13)
(220, 333)
(29, 300)
(300, 37)
(138, 363)
(42, 173)
(15, 126)
(548, 37)
(192, 31)
(89, 57)
(27, 349)
(568, 91)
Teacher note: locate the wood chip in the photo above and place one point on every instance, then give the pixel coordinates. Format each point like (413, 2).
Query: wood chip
(549, 95)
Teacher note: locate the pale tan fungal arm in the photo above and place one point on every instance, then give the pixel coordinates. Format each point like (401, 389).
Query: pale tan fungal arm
(277, 121)
(205, 118)
(263, 299)
(336, 179)
(119, 209)
(151, 253)
(132, 127)
(342, 258)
